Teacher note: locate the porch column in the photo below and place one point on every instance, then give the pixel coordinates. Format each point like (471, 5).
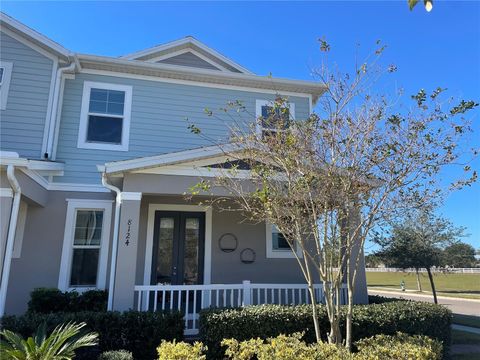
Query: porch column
(123, 294)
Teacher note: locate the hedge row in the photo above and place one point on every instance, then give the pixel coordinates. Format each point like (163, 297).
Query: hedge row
(368, 320)
(51, 300)
(134, 331)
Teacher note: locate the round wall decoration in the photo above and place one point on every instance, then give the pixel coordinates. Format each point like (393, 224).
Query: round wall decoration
(228, 242)
(247, 256)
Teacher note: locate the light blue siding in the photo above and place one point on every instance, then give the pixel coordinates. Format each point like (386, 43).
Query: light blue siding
(158, 121)
(22, 122)
(189, 59)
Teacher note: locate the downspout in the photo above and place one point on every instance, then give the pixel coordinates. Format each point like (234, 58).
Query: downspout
(56, 95)
(116, 224)
(12, 226)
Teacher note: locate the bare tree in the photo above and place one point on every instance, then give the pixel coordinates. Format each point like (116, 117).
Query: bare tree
(328, 181)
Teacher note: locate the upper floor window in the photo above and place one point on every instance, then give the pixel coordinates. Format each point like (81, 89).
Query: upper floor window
(5, 76)
(272, 118)
(105, 116)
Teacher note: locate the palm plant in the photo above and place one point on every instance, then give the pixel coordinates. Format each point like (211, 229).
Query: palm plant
(59, 345)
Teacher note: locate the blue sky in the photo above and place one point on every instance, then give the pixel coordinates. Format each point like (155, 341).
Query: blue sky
(440, 48)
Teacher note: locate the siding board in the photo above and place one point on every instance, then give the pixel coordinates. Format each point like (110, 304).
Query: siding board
(23, 121)
(158, 124)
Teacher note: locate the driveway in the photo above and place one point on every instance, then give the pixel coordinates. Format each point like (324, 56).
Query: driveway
(457, 305)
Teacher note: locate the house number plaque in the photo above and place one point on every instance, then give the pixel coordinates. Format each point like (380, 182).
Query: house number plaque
(127, 236)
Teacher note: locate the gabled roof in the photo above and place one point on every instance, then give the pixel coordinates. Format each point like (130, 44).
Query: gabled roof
(7, 22)
(173, 158)
(185, 45)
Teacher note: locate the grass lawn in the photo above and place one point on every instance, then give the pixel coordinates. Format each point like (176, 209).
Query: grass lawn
(457, 285)
(466, 320)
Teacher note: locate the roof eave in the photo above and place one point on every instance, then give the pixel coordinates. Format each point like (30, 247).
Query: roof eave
(203, 75)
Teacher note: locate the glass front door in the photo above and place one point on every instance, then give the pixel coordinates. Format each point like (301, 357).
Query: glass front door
(178, 248)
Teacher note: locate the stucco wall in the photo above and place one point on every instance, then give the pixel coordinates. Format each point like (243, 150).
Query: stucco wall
(39, 263)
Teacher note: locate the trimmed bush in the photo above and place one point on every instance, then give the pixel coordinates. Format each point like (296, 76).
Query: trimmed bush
(181, 351)
(283, 347)
(116, 355)
(381, 347)
(51, 300)
(266, 321)
(377, 299)
(398, 347)
(138, 332)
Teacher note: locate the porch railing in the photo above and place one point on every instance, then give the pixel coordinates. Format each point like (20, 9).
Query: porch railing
(190, 299)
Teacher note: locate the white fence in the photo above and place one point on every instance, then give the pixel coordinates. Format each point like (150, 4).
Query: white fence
(190, 299)
(444, 270)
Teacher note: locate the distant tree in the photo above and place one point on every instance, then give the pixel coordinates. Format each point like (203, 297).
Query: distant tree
(373, 260)
(428, 4)
(459, 255)
(418, 242)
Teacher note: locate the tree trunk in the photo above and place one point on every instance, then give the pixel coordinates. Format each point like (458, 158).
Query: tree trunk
(316, 323)
(432, 284)
(419, 284)
(348, 320)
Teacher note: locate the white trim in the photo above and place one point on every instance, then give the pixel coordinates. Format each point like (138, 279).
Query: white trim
(67, 251)
(207, 271)
(21, 221)
(29, 43)
(259, 103)
(135, 196)
(58, 115)
(5, 86)
(193, 83)
(48, 120)
(35, 36)
(188, 41)
(278, 254)
(196, 171)
(168, 158)
(188, 50)
(6, 192)
(84, 113)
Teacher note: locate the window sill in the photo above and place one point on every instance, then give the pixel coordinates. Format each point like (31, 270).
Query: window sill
(100, 146)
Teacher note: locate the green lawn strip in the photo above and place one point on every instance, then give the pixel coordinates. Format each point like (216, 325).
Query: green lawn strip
(428, 293)
(466, 320)
(453, 285)
(465, 338)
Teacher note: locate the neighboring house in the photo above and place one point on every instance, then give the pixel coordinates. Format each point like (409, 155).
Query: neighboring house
(96, 156)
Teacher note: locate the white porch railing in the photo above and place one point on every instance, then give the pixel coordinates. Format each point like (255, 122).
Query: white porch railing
(190, 299)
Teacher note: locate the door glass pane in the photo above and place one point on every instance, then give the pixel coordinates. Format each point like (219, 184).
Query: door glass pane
(88, 227)
(192, 235)
(84, 267)
(165, 251)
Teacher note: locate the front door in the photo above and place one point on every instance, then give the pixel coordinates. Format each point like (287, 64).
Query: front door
(178, 248)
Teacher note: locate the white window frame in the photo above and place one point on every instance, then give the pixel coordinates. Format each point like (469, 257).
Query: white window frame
(277, 253)
(5, 84)
(67, 252)
(84, 114)
(258, 112)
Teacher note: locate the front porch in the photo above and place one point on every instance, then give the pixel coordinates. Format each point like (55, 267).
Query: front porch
(191, 299)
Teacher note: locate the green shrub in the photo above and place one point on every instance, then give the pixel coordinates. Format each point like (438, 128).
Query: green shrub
(181, 351)
(283, 347)
(51, 300)
(266, 321)
(138, 332)
(377, 299)
(116, 355)
(398, 347)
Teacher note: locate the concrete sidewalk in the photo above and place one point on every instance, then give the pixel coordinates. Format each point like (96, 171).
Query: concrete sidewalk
(457, 305)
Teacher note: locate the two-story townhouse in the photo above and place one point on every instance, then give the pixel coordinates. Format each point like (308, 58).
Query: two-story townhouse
(96, 157)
